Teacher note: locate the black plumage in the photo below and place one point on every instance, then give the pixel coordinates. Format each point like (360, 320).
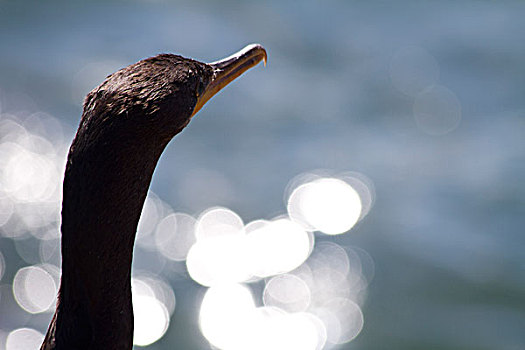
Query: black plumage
(127, 122)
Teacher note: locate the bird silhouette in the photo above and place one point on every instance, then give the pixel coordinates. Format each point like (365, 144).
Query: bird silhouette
(127, 122)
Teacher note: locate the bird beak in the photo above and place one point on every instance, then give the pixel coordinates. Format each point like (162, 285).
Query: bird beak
(229, 68)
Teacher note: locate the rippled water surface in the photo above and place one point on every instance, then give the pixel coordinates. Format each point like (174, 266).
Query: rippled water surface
(364, 190)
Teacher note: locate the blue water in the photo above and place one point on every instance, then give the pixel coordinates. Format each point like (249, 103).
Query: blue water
(446, 230)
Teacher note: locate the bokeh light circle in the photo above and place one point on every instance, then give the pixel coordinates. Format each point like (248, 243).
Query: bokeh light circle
(219, 260)
(287, 292)
(174, 236)
(329, 255)
(437, 110)
(223, 314)
(34, 289)
(328, 205)
(343, 319)
(363, 186)
(151, 320)
(152, 286)
(218, 221)
(277, 246)
(24, 338)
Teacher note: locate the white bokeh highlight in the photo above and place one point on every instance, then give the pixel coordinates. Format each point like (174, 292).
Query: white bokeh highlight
(218, 221)
(24, 338)
(151, 316)
(223, 314)
(219, 260)
(328, 205)
(277, 246)
(230, 320)
(175, 235)
(287, 292)
(34, 289)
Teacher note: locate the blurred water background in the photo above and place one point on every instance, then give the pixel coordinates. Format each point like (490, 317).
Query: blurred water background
(415, 107)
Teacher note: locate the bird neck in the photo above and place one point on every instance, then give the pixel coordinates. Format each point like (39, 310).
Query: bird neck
(105, 186)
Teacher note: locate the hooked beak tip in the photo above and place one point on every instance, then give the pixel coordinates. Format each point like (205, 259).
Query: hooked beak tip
(230, 68)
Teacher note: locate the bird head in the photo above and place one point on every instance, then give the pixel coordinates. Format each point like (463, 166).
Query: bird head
(160, 95)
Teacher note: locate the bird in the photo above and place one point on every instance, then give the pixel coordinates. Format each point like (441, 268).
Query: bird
(127, 122)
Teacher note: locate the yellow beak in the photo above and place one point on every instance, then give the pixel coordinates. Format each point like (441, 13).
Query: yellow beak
(229, 68)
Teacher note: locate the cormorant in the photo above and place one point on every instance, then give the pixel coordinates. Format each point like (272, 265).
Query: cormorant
(126, 123)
